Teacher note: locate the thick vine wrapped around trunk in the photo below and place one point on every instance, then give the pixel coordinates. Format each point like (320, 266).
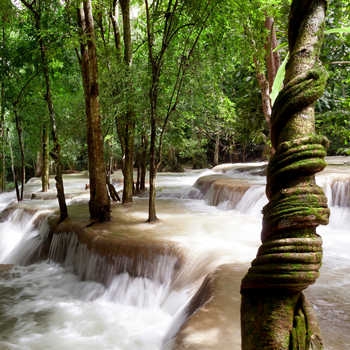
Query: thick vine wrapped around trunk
(275, 313)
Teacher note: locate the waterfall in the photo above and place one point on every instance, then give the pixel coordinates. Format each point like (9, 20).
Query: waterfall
(22, 233)
(134, 286)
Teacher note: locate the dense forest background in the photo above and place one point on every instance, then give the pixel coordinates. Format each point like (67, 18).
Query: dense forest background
(180, 82)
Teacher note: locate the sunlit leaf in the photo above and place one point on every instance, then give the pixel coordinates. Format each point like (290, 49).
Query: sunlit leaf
(338, 30)
(277, 84)
(281, 46)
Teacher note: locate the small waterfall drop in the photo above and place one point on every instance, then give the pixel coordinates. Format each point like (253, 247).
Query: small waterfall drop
(85, 299)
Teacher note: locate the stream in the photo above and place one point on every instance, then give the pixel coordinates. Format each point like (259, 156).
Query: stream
(48, 305)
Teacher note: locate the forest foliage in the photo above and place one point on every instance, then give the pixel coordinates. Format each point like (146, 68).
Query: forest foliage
(208, 55)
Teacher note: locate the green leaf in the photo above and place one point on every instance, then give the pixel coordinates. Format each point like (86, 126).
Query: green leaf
(281, 46)
(277, 84)
(337, 30)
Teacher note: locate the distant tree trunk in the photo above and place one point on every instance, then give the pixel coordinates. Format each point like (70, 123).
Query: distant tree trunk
(272, 65)
(275, 314)
(143, 161)
(233, 151)
(45, 161)
(265, 92)
(243, 155)
(99, 204)
(19, 132)
(152, 217)
(113, 14)
(55, 153)
(138, 171)
(272, 58)
(217, 148)
(38, 164)
(13, 170)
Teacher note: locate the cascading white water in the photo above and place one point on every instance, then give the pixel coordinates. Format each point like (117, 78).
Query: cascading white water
(48, 306)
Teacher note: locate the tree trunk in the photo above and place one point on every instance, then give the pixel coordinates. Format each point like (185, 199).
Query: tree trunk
(45, 161)
(113, 14)
(138, 167)
(272, 58)
(13, 170)
(217, 148)
(233, 151)
(99, 204)
(274, 312)
(55, 153)
(272, 64)
(152, 216)
(19, 132)
(38, 164)
(265, 92)
(129, 127)
(143, 162)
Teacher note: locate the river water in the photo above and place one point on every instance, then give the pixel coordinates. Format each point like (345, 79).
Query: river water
(47, 306)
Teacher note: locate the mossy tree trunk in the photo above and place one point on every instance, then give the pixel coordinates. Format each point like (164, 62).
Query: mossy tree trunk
(274, 312)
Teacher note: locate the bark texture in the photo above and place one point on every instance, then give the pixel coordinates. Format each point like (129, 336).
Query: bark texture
(99, 204)
(20, 142)
(274, 313)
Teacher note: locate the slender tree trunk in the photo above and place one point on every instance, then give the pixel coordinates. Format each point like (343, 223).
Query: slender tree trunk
(85, 70)
(19, 131)
(272, 58)
(265, 92)
(38, 164)
(129, 133)
(138, 167)
(233, 151)
(143, 162)
(110, 165)
(217, 148)
(45, 160)
(55, 153)
(275, 314)
(113, 14)
(152, 216)
(13, 171)
(272, 64)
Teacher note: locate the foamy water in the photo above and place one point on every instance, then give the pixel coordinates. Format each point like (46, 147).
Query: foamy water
(47, 306)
